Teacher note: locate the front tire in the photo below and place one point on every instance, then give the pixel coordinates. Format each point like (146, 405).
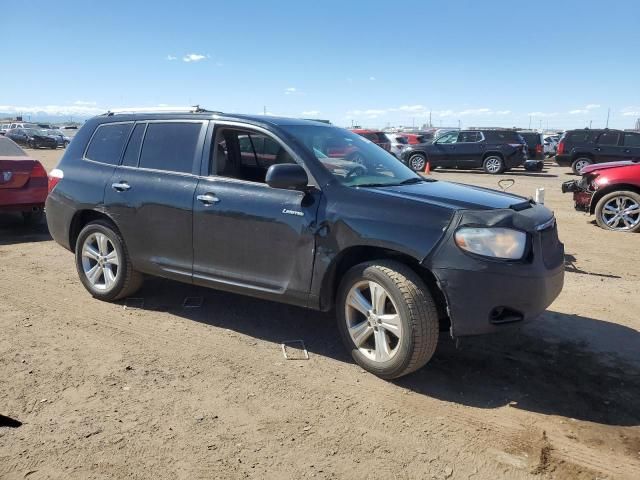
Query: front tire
(619, 211)
(103, 263)
(579, 163)
(387, 318)
(417, 162)
(493, 165)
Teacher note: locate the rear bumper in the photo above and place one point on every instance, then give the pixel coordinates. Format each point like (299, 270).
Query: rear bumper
(22, 199)
(563, 160)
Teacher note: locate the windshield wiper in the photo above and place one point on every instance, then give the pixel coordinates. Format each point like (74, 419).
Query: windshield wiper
(375, 185)
(412, 180)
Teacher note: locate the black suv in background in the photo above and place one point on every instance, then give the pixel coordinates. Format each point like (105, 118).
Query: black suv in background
(495, 151)
(264, 206)
(579, 148)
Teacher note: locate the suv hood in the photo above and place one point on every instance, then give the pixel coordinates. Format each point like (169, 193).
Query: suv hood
(455, 196)
(604, 166)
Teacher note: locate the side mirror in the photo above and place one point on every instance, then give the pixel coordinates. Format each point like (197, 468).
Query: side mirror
(289, 176)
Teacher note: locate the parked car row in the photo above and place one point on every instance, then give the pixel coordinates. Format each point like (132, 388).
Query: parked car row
(33, 136)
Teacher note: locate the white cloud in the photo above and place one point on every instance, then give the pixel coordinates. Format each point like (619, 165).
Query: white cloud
(171, 57)
(310, 113)
(85, 104)
(75, 109)
(585, 109)
(419, 109)
(543, 114)
(503, 112)
(372, 79)
(633, 111)
(290, 90)
(193, 57)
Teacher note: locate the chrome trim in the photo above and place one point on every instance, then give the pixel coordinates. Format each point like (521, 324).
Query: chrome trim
(548, 224)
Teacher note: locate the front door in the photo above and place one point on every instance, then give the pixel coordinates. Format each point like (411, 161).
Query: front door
(247, 236)
(468, 150)
(440, 153)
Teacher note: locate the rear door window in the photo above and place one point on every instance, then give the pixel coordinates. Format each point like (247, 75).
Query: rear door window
(578, 137)
(609, 138)
(632, 139)
(108, 142)
(497, 136)
(170, 146)
(468, 137)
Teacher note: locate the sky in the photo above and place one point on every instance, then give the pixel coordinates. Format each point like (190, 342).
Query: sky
(542, 64)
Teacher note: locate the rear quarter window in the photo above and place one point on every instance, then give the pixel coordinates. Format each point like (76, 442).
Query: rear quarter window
(608, 138)
(107, 143)
(502, 137)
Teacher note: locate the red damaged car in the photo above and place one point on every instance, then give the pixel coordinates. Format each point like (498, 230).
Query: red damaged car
(23, 182)
(611, 191)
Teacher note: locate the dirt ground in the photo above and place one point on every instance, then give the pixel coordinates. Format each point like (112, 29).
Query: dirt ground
(93, 390)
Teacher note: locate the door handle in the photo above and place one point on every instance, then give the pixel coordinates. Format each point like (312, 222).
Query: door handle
(121, 186)
(208, 198)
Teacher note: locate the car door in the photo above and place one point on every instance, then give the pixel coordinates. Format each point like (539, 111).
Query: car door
(440, 152)
(150, 195)
(631, 146)
(468, 150)
(247, 236)
(608, 147)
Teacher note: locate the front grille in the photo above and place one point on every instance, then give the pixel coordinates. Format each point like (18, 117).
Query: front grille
(552, 252)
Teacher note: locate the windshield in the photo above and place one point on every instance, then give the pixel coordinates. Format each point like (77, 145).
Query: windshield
(353, 160)
(36, 131)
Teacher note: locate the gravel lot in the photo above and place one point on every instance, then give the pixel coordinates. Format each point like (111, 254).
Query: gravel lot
(169, 392)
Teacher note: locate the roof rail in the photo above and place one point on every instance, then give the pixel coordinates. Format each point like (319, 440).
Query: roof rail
(192, 109)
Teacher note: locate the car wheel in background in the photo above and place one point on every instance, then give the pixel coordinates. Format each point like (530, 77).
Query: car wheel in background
(32, 218)
(493, 164)
(387, 318)
(103, 263)
(619, 211)
(579, 163)
(417, 162)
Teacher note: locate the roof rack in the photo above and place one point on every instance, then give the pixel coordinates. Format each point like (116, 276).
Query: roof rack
(192, 109)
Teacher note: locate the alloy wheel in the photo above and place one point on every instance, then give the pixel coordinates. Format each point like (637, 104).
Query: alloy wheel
(417, 162)
(373, 321)
(621, 213)
(100, 261)
(493, 165)
(580, 164)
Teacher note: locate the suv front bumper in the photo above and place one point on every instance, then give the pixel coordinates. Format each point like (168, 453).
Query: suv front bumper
(485, 295)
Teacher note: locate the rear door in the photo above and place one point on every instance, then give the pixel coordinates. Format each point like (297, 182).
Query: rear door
(608, 147)
(631, 147)
(150, 195)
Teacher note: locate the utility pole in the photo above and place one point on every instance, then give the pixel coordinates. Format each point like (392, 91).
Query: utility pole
(264, 110)
(540, 124)
(458, 124)
(529, 122)
(590, 123)
(608, 112)
(430, 124)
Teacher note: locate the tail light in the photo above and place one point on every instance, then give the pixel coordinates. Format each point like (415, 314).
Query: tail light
(539, 148)
(54, 177)
(560, 148)
(38, 171)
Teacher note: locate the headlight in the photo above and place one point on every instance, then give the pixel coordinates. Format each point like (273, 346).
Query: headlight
(492, 242)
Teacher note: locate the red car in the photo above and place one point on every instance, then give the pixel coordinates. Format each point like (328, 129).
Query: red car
(23, 182)
(417, 138)
(377, 137)
(611, 191)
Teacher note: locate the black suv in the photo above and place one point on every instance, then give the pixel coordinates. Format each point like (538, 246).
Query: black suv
(265, 207)
(495, 151)
(579, 148)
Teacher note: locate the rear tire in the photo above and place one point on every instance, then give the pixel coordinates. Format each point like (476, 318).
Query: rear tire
(103, 262)
(399, 332)
(493, 165)
(579, 163)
